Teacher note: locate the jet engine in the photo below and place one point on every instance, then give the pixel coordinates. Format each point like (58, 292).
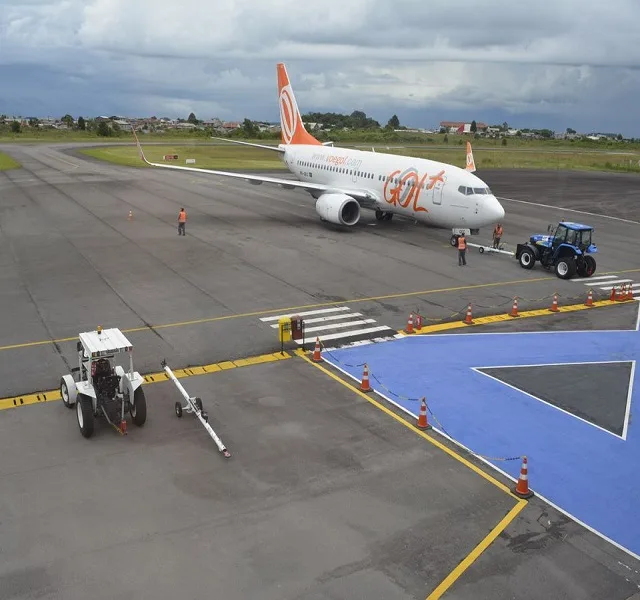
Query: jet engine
(338, 208)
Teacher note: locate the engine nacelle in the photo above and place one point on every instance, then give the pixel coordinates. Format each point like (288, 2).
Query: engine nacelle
(338, 208)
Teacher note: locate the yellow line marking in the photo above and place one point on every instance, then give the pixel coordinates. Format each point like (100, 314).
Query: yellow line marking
(477, 551)
(51, 395)
(303, 306)
(506, 317)
(402, 421)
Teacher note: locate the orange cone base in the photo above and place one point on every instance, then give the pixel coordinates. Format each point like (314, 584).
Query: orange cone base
(524, 495)
(424, 427)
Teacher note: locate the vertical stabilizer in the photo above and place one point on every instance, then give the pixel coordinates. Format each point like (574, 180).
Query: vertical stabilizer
(292, 128)
(471, 165)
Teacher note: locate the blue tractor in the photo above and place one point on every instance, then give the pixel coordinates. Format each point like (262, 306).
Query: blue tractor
(567, 249)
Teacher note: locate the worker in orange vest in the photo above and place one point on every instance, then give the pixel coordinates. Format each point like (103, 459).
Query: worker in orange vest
(182, 219)
(462, 250)
(497, 235)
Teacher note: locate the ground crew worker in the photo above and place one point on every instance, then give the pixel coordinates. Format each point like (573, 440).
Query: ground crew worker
(462, 250)
(497, 235)
(182, 219)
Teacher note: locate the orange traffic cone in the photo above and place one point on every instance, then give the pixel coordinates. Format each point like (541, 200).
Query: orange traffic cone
(514, 308)
(364, 386)
(554, 305)
(629, 292)
(612, 297)
(468, 319)
(522, 487)
(422, 417)
(589, 301)
(622, 295)
(317, 357)
(410, 323)
(130, 217)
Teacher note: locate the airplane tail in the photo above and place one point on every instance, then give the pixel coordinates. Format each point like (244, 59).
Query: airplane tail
(291, 125)
(471, 164)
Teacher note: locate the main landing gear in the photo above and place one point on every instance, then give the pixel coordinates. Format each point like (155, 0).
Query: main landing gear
(383, 216)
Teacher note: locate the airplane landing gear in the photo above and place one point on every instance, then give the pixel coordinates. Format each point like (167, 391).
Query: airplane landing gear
(383, 216)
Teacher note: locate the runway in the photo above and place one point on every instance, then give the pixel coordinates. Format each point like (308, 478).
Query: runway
(71, 260)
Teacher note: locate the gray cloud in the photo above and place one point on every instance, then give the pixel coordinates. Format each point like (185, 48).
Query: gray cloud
(550, 63)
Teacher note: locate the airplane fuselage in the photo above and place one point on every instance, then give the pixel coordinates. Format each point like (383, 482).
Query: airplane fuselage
(428, 191)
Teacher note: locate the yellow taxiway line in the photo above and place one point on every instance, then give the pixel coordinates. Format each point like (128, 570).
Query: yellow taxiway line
(291, 309)
(51, 395)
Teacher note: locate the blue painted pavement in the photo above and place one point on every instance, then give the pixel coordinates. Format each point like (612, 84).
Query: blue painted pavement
(588, 472)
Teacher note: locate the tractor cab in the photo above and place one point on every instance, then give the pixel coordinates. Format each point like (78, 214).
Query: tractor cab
(576, 235)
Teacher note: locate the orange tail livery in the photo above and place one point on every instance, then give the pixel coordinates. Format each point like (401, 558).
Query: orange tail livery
(293, 131)
(471, 164)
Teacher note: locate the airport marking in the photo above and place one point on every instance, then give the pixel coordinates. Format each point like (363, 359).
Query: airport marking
(493, 534)
(292, 309)
(477, 551)
(53, 395)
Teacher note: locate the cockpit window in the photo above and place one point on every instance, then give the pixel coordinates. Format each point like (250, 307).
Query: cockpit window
(479, 191)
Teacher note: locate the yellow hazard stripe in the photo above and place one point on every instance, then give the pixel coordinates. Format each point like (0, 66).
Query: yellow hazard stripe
(158, 377)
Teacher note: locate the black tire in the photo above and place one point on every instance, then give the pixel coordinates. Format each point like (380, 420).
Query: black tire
(565, 267)
(84, 414)
(139, 408)
(527, 259)
(199, 404)
(380, 215)
(64, 394)
(388, 216)
(178, 409)
(590, 266)
(453, 240)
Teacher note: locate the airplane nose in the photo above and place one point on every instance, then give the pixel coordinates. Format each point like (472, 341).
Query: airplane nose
(494, 209)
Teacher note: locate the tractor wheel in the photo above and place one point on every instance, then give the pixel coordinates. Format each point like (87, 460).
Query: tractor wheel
(84, 412)
(589, 266)
(565, 267)
(139, 408)
(527, 259)
(68, 391)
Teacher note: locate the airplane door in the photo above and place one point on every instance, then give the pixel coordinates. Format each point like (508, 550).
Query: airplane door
(436, 192)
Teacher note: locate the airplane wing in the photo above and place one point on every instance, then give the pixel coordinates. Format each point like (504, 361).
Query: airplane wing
(364, 197)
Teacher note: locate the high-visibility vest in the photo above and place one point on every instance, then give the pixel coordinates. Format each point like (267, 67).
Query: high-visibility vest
(182, 217)
(498, 231)
(462, 243)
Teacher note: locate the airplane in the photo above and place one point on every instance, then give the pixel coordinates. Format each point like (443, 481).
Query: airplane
(344, 180)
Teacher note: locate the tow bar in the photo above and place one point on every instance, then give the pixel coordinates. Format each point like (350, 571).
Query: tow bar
(194, 405)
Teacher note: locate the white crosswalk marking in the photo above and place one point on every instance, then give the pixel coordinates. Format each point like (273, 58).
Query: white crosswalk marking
(325, 321)
(607, 282)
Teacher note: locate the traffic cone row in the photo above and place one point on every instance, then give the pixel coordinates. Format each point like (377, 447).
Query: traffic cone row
(469, 318)
(522, 487)
(612, 296)
(514, 308)
(554, 305)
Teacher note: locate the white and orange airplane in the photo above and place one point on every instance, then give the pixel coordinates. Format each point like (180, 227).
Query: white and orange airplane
(343, 180)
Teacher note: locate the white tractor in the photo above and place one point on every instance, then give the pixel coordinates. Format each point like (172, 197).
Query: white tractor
(102, 388)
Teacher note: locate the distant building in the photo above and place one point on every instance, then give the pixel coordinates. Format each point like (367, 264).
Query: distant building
(461, 127)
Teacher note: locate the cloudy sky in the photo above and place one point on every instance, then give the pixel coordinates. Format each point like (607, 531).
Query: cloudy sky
(552, 63)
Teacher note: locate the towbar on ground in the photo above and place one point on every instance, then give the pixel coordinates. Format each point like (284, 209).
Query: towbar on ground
(194, 405)
(490, 249)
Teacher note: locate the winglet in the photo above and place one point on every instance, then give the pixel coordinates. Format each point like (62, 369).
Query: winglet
(140, 152)
(471, 165)
(291, 125)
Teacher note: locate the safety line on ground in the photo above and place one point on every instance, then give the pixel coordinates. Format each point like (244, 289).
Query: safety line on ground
(305, 306)
(299, 352)
(477, 551)
(51, 395)
(541, 312)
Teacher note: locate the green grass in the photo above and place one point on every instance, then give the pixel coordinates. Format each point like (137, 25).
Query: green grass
(228, 156)
(6, 163)
(223, 157)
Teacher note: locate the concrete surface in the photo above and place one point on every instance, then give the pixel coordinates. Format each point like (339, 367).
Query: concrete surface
(71, 260)
(324, 496)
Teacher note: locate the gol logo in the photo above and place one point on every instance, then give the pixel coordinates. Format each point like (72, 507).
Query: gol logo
(288, 114)
(405, 188)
